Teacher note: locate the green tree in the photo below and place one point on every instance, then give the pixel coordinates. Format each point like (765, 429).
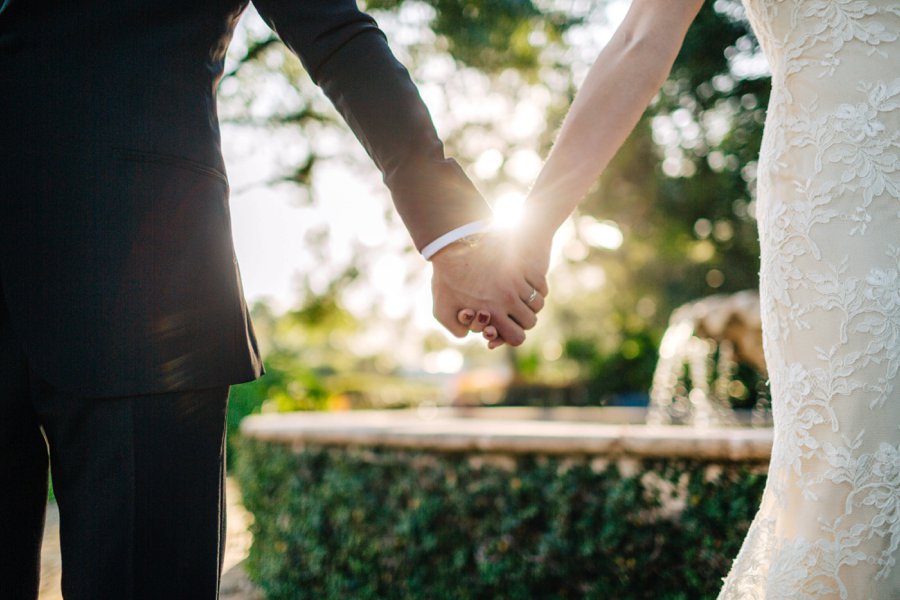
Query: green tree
(680, 191)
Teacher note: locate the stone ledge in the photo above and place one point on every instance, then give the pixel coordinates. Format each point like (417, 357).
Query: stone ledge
(444, 430)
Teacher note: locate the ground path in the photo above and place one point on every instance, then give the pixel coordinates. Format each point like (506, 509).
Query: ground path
(235, 585)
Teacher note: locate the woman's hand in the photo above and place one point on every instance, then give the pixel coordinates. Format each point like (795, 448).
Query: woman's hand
(532, 248)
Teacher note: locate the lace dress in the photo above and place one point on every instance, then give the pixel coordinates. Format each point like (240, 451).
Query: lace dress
(829, 222)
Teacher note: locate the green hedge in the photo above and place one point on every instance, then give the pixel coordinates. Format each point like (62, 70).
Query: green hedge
(337, 523)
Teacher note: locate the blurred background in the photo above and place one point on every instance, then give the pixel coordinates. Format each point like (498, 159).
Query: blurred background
(340, 298)
(342, 309)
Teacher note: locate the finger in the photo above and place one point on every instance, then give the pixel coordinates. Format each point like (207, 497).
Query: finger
(510, 331)
(522, 314)
(493, 338)
(538, 281)
(482, 319)
(446, 316)
(465, 316)
(532, 298)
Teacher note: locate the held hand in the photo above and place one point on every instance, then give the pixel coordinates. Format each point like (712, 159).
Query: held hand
(533, 247)
(488, 279)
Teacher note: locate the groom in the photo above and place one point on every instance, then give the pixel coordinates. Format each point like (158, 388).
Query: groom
(122, 320)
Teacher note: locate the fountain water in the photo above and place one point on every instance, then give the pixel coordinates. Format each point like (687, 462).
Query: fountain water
(699, 356)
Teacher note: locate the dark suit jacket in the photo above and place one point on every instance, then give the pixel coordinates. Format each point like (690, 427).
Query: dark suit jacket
(116, 258)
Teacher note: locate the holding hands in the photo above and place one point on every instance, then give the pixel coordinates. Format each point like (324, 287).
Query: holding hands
(494, 286)
(489, 288)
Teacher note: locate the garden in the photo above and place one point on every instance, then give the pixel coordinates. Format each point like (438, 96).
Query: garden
(621, 452)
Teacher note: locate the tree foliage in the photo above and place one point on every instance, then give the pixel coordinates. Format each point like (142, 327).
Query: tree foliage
(680, 190)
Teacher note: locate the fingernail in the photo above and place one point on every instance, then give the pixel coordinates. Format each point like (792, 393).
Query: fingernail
(468, 315)
(483, 317)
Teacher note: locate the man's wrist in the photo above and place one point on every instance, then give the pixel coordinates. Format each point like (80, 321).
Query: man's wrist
(466, 234)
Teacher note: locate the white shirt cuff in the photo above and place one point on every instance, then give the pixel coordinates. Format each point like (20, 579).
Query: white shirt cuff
(454, 236)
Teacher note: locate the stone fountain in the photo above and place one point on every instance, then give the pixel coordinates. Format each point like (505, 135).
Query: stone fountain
(699, 356)
(684, 458)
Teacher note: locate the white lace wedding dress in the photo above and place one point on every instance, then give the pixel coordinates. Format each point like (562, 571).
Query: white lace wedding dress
(829, 221)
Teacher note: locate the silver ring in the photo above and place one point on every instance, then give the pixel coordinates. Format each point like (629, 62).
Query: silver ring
(534, 294)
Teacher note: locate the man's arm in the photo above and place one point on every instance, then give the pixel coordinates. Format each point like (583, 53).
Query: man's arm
(348, 57)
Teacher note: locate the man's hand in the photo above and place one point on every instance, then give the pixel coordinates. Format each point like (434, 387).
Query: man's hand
(490, 280)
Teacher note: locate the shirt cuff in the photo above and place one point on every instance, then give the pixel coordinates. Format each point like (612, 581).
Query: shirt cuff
(454, 236)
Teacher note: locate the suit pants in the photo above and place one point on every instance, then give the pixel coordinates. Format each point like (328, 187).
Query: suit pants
(138, 481)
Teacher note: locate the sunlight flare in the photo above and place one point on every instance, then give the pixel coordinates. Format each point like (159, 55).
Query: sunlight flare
(508, 210)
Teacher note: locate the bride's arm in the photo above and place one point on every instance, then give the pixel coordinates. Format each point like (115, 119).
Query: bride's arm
(619, 86)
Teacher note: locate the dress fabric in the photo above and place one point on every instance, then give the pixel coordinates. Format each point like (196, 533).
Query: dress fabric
(829, 223)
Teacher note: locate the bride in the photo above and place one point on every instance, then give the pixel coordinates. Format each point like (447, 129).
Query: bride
(829, 226)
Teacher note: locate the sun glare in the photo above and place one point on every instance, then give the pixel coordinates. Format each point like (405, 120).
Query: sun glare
(508, 210)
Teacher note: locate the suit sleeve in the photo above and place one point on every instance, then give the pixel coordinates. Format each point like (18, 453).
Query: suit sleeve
(347, 55)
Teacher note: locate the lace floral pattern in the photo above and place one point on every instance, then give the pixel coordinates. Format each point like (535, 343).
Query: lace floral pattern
(829, 219)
